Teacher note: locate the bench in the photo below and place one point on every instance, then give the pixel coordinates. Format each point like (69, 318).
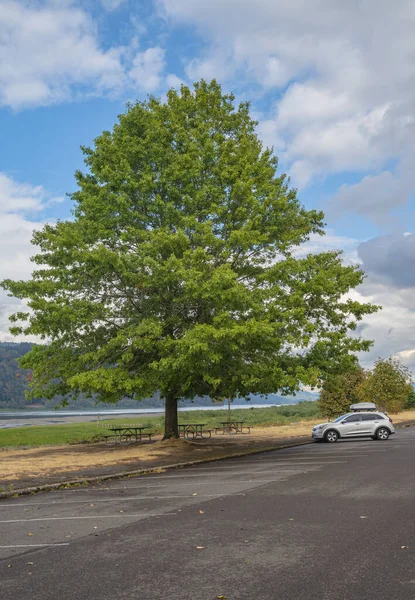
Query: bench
(130, 435)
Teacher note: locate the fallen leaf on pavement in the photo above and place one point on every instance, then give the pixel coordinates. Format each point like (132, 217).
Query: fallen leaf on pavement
(363, 517)
(194, 494)
(200, 547)
(404, 547)
(202, 512)
(29, 563)
(30, 534)
(221, 597)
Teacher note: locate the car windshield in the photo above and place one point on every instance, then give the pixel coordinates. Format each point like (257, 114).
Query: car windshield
(340, 418)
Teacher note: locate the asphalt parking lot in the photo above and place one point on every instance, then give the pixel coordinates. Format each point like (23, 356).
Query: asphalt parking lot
(317, 521)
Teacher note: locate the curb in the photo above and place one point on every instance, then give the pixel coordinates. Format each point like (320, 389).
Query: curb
(99, 478)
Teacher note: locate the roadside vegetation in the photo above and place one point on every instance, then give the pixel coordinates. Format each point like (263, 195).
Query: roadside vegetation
(44, 435)
(388, 385)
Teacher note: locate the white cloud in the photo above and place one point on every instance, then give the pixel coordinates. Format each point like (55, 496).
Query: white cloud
(341, 72)
(215, 66)
(147, 69)
(330, 241)
(52, 52)
(112, 5)
(172, 81)
(48, 54)
(392, 328)
(376, 196)
(16, 197)
(18, 202)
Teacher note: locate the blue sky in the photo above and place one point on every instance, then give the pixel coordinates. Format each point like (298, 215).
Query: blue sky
(331, 84)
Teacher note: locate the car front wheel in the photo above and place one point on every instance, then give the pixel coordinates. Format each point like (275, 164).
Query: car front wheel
(331, 436)
(382, 433)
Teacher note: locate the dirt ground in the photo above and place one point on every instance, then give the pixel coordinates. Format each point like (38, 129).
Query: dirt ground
(35, 466)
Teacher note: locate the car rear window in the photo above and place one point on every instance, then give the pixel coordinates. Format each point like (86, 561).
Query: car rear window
(371, 417)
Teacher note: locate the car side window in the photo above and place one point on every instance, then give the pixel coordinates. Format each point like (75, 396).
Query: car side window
(372, 417)
(353, 419)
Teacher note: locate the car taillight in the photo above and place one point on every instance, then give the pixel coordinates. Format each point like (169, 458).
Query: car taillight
(390, 420)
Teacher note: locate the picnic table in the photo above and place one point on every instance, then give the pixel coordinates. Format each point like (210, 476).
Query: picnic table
(233, 427)
(127, 434)
(191, 431)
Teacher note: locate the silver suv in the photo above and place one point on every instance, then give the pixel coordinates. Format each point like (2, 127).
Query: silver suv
(376, 425)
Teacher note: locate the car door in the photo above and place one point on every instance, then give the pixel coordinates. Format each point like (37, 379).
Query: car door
(369, 423)
(350, 426)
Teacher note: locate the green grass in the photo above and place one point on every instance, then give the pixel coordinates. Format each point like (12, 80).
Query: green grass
(44, 435)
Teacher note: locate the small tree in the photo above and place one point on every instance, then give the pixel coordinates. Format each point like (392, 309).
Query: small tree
(388, 385)
(177, 271)
(339, 391)
(410, 403)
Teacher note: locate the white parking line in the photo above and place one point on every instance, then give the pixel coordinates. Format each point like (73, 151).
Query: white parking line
(288, 460)
(115, 500)
(197, 483)
(34, 545)
(96, 517)
(213, 471)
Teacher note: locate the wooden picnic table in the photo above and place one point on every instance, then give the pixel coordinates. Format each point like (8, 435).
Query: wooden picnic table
(191, 431)
(233, 427)
(127, 434)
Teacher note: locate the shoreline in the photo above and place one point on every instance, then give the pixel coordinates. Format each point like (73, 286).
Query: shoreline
(25, 418)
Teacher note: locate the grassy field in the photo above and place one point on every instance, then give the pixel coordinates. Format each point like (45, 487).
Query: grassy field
(45, 435)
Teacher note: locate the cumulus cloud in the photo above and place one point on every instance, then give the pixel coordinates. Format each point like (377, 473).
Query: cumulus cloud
(147, 68)
(20, 205)
(52, 52)
(390, 260)
(18, 197)
(341, 72)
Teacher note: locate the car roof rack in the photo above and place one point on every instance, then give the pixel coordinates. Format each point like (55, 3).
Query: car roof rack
(363, 406)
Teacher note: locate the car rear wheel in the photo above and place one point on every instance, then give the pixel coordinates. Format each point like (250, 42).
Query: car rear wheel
(382, 434)
(331, 436)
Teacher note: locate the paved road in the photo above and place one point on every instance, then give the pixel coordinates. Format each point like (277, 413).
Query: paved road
(313, 522)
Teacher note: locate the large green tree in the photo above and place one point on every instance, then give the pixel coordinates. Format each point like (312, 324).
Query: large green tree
(177, 271)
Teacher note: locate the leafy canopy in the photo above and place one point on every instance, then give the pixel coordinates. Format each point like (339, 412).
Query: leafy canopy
(340, 390)
(389, 385)
(178, 270)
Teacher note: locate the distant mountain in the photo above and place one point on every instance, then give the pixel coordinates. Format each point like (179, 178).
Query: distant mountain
(14, 382)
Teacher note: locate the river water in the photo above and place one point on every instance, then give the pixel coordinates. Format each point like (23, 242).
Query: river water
(26, 418)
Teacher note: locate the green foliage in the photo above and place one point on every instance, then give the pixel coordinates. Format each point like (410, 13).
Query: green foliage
(388, 385)
(339, 391)
(42, 435)
(13, 381)
(410, 403)
(178, 273)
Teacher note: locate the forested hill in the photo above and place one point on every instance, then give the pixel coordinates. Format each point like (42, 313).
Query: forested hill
(14, 382)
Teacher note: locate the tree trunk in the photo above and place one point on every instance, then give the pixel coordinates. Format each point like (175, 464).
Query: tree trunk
(170, 418)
